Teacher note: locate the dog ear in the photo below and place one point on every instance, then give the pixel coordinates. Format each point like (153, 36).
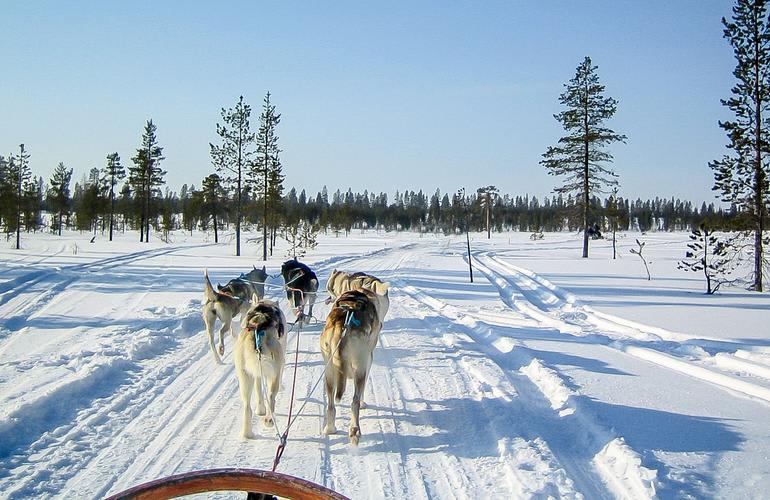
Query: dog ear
(254, 299)
(383, 288)
(263, 269)
(219, 286)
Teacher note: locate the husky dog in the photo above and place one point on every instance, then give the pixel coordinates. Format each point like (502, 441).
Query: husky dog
(227, 303)
(347, 343)
(246, 285)
(342, 281)
(260, 353)
(301, 287)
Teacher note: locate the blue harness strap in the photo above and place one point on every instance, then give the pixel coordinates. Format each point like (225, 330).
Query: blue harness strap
(350, 319)
(259, 336)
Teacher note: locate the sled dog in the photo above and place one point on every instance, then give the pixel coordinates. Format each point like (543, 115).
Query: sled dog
(301, 287)
(228, 302)
(260, 353)
(342, 281)
(246, 285)
(347, 343)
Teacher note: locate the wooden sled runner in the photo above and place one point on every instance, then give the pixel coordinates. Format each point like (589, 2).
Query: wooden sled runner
(232, 479)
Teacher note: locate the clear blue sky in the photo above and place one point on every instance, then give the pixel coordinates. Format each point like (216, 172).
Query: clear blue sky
(381, 96)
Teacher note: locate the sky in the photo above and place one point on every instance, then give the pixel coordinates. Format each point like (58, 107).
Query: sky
(381, 96)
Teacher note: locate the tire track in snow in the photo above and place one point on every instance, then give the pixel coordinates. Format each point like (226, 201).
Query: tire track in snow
(596, 475)
(561, 310)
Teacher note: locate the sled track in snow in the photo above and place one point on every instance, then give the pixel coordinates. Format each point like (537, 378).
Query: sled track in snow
(541, 300)
(46, 285)
(611, 469)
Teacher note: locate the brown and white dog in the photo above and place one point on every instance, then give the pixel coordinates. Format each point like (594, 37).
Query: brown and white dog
(260, 354)
(228, 302)
(347, 343)
(343, 281)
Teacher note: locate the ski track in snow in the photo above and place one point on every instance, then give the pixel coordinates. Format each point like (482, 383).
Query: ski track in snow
(455, 407)
(543, 301)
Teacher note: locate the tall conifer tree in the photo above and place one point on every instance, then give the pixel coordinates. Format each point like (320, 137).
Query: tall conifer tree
(213, 200)
(20, 174)
(265, 173)
(233, 154)
(742, 178)
(581, 155)
(59, 193)
(146, 176)
(113, 172)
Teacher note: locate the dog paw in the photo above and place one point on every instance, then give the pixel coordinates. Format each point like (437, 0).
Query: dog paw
(355, 435)
(268, 422)
(247, 435)
(330, 429)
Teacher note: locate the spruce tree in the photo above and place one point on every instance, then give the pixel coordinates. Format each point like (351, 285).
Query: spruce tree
(20, 174)
(581, 155)
(146, 176)
(742, 178)
(213, 200)
(59, 193)
(233, 154)
(265, 172)
(113, 172)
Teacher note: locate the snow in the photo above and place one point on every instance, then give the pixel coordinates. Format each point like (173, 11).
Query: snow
(549, 376)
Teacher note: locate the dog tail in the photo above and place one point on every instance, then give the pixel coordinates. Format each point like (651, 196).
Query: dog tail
(208, 290)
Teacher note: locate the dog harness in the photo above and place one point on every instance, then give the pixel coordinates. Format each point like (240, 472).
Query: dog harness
(259, 336)
(350, 318)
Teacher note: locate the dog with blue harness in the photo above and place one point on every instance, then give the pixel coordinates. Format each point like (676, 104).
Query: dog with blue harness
(260, 355)
(348, 340)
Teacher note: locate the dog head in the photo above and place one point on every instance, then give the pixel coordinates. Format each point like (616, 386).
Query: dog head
(265, 315)
(257, 275)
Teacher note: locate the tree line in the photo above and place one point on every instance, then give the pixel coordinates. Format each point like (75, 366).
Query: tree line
(247, 185)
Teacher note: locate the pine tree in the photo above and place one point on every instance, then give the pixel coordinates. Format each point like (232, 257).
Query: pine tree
(20, 174)
(486, 197)
(213, 200)
(742, 179)
(581, 155)
(709, 255)
(32, 203)
(59, 193)
(113, 172)
(265, 172)
(146, 176)
(233, 155)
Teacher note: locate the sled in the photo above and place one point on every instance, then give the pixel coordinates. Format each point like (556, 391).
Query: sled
(231, 479)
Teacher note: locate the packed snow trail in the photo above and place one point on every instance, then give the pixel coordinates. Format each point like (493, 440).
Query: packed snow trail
(510, 387)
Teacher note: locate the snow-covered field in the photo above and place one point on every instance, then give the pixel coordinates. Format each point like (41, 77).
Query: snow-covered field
(549, 376)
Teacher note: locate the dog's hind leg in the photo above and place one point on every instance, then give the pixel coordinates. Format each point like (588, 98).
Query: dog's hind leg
(246, 383)
(272, 391)
(329, 385)
(209, 318)
(226, 325)
(355, 428)
(260, 397)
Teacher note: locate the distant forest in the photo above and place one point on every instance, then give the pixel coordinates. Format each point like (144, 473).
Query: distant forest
(88, 209)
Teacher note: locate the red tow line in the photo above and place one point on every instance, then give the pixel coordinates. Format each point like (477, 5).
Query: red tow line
(282, 445)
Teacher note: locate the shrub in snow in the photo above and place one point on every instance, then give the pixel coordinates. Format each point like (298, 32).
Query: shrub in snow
(709, 254)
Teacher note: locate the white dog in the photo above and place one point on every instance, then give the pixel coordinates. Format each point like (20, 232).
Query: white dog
(347, 344)
(260, 353)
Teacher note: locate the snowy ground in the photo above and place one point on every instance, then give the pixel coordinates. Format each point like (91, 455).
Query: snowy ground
(549, 376)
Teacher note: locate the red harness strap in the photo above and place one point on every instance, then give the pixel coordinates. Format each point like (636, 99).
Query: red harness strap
(282, 446)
